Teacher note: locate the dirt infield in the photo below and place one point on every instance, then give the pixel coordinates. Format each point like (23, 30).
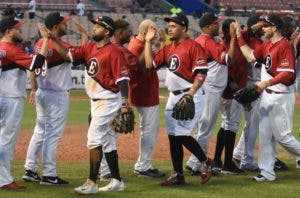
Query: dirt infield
(73, 145)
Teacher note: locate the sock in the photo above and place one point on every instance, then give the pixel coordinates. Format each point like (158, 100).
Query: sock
(229, 146)
(219, 145)
(113, 164)
(193, 146)
(176, 151)
(95, 159)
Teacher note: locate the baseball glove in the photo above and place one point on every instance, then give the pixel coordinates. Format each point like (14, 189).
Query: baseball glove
(124, 122)
(247, 94)
(184, 109)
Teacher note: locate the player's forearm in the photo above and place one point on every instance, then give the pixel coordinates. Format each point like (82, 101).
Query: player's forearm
(231, 51)
(84, 39)
(198, 81)
(44, 48)
(245, 49)
(123, 87)
(282, 77)
(62, 50)
(33, 81)
(148, 55)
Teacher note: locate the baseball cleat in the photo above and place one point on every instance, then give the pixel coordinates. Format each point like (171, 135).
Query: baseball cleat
(249, 167)
(174, 179)
(280, 165)
(31, 176)
(152, 173)
(232, 170)
(261, 178)
(105, 178)
(13, 186)
(192, 171)
(46, 180)
(114, 185)
(89, 187)
(206, 171)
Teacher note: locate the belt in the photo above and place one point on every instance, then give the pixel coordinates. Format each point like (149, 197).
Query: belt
(177, 92)
(269, 91)
(95, 99)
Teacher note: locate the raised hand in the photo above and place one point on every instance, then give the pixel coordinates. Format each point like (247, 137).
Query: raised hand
(150, 33)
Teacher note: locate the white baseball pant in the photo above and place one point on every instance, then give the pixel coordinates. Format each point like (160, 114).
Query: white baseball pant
(149, 126)
(11, 114)
(52, 109)
(276, 123)
(183, 127)
(205, 125)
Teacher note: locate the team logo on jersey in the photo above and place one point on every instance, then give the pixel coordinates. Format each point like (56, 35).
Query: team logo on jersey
(285, 63)
(2, 53)
(38, 49)
(93, 67)
(268, 61)
(174, 63)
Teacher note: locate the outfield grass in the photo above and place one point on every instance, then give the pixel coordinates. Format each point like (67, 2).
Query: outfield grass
(287, 184)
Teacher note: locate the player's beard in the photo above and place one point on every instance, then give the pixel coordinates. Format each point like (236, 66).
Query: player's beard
(17, 40)
(98, 38)
(269, 35)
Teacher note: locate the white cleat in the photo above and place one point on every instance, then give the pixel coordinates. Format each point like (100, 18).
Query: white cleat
(89, 187)
(114, 185)
(261, 178)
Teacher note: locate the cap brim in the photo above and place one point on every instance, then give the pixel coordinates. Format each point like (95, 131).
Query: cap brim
(265, 23)
(19, 24)
(219, 20)
(168, 19)
(66, 19)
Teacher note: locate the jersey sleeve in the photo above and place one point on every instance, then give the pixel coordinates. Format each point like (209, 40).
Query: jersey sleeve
(286, 61)
(22, 58)
(131, 59)
(216, 50)
(199, 59)
(259, 51)
(119, 66)
(159, 59)
(78, 53)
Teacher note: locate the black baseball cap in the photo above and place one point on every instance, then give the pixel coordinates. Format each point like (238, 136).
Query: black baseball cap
(208, 19)
(178, 18)
(54, 18)
(10, 22)
(106, 22)
(272, 20)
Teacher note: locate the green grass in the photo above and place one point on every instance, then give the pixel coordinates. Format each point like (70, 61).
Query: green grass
(287, 184)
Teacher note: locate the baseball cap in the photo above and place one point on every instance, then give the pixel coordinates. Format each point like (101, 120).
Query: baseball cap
(8, 23)
(272, 20)
(208, 19)
(54, 18)
(178, 18)
(106, 22)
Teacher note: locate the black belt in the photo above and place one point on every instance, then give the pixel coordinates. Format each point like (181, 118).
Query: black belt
(269, 91)
(95, 99)
(177, 92)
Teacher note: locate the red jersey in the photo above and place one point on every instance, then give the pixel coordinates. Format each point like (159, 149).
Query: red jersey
(278, 57)
(237, 72)
(182, 60)
(105, 67)
(216, 79)
(13, 62)
(143, 85)
(131, 59)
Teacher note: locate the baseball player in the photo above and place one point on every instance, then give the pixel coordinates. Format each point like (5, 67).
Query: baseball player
(122, 36)
(187, 68)
(277, 99)
(14, 61)
(144, 89)
(50, 91)
(107, 76)
(215, 82)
